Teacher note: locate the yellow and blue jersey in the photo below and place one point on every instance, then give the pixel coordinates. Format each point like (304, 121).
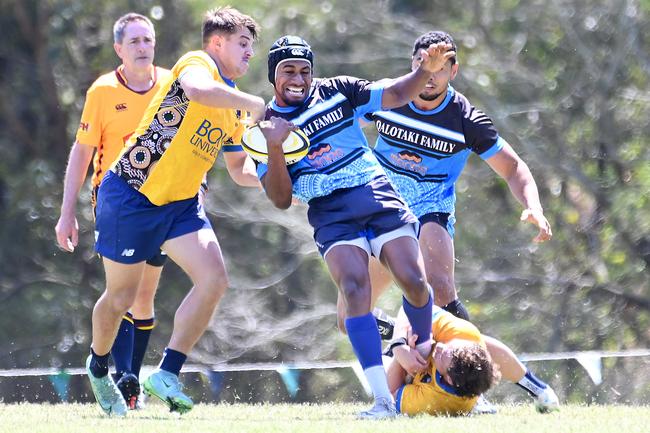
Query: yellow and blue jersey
(429, 393)
(178, 140)
(111, 114)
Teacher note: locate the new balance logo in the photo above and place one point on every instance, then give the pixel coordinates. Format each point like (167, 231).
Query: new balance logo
(128, 252)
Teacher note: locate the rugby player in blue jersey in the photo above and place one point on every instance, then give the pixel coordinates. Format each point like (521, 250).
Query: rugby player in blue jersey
(423, 146)
(353, 209)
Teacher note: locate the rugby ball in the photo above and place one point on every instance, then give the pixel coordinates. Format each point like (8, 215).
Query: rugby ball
(295, 146)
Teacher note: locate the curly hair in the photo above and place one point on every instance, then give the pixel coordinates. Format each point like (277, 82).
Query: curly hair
(434, 37)
(472, 371)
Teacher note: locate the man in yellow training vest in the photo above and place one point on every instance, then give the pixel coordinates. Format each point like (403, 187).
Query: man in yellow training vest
(148, 201)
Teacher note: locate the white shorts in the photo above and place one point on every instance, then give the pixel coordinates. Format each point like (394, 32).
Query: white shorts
(373, 246)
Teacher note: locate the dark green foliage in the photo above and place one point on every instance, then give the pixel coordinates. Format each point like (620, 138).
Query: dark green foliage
(566, 84)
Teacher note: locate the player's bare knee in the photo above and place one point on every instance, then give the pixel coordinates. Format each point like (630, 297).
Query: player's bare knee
(415, 287)
(214, 286)
(357, 294)
(120, 302)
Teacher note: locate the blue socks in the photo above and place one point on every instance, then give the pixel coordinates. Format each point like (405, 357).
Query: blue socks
(98, 364)
(420, 319)
(122, 350)
(172, 361)
(141, 332)
(366, 342)
(365, 339)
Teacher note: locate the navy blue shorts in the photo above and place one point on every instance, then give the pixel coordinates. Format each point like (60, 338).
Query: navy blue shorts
(366, 211)
(131, 229)
(443, 219)
(157, 261)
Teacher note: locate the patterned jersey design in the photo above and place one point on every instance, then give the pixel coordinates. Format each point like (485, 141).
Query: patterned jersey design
(142, 157)
(339, 155)
(178, 140)
(424, 152)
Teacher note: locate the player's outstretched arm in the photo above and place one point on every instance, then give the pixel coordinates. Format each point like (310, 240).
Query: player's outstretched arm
(404, 89)
(277, 182)
(507, 164)
(67, 228)
(510, 366)
(241, 169)
(200, 87)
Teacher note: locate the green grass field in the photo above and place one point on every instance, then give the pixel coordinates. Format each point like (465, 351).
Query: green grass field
(223, 418)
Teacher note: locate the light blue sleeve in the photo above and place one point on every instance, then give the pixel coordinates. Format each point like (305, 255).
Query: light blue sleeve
(261, 170)
(374, 103)
(496, 147)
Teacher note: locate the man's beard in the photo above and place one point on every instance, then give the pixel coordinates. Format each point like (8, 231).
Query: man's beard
(429, 96)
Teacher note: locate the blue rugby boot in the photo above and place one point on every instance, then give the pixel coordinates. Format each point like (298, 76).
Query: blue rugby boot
(106, 393)
(168, 388)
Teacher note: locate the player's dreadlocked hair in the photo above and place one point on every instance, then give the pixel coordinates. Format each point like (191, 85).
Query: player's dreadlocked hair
(434, 37)
(472, 371)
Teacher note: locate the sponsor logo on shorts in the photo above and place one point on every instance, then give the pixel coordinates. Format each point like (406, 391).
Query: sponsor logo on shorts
(128, 252)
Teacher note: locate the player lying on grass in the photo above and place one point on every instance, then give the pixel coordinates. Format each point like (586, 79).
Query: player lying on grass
(463, 364)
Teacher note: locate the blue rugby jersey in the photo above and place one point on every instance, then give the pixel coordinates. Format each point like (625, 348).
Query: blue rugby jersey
(339, 155)
(424, 152)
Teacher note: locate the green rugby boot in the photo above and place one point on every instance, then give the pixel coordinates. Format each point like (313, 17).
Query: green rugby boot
(168, 388)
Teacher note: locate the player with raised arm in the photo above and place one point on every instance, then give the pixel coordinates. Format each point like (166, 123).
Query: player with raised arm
(148, 201)
(353, 209)
(463, 364)
(423, 146)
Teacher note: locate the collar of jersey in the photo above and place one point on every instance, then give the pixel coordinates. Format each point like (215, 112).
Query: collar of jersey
(279, 109)
(444, 385)
(119, 73)
(228, 81)
(439, 108)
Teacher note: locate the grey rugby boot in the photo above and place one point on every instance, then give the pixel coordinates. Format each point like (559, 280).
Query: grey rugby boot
(383, 409)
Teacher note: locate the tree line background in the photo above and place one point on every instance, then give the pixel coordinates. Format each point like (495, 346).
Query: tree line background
(565, 81)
